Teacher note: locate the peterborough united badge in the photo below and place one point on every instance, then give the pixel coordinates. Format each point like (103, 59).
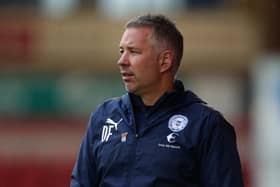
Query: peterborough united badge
(177, 123)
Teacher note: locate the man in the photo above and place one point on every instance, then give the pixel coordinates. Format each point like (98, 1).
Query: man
(158, 134)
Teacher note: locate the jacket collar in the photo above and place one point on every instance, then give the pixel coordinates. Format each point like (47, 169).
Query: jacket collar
(179, 97)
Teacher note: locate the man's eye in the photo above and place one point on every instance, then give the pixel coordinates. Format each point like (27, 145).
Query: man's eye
(121, 51)
(134, 51)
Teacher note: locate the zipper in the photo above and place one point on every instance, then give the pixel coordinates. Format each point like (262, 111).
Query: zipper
(133, 159)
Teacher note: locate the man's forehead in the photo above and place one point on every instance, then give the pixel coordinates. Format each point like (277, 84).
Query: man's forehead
(136, 34)
(144, 32)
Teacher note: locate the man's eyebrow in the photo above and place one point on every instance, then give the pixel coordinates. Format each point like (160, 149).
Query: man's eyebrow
(129, 47)
(133, 47)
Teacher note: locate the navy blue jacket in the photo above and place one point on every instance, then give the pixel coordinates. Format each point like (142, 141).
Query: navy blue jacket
(184, 143)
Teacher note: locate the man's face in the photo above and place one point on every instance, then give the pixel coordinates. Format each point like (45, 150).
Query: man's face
(138, 61)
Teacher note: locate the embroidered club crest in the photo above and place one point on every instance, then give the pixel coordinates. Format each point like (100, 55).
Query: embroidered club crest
(177, 123)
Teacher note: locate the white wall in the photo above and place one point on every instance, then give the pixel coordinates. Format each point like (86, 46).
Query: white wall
(266, 122)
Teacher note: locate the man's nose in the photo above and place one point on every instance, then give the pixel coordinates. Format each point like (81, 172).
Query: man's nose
(123, 60)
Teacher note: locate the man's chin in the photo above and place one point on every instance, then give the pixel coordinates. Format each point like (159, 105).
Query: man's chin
(130, 89)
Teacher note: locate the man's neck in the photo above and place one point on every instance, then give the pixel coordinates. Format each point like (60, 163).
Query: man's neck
(151, 98)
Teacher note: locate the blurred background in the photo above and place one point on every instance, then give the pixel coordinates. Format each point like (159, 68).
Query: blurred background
(58, 62)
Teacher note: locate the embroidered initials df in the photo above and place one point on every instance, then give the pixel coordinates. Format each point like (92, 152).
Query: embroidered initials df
(106, 132)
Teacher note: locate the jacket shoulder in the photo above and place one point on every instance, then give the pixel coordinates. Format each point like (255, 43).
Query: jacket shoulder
(208, 115)
(112, 104)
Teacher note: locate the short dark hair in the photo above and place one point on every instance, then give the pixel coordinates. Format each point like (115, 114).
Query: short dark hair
(164, 30)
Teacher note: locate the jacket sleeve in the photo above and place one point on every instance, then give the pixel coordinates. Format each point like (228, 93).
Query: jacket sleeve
(219, 159)
(84, 173)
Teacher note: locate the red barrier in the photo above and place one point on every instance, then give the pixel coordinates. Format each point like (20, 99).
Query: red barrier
(35, 173)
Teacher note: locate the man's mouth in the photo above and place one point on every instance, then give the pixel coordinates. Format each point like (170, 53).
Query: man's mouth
(127, 76)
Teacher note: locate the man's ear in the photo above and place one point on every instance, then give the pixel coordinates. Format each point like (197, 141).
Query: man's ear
(166, 60)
